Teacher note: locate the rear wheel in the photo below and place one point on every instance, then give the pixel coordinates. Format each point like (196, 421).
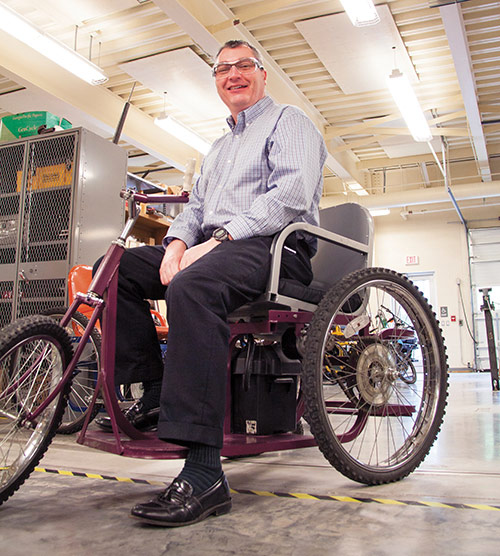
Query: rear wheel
(370, 424)
(85, 374)
(34, 353)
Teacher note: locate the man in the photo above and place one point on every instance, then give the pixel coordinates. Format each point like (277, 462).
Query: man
(262, 175)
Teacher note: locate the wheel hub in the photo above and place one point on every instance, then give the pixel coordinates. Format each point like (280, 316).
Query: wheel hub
(375, 373)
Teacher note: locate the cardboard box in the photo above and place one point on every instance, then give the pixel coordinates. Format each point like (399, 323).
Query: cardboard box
(26, 124)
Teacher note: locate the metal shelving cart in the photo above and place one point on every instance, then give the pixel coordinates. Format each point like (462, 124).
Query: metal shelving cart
(59, 206)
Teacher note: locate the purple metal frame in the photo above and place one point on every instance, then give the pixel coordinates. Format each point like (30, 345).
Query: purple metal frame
(127, 440)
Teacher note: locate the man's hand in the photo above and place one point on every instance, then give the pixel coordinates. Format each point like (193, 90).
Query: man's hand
(194, 253)
(177, 257)
(170, 264)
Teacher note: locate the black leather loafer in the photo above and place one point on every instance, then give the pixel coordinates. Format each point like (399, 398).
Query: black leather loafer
(177, 505)
(142, 420)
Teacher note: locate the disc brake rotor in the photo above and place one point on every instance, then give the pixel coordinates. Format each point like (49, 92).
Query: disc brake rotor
(376, 371)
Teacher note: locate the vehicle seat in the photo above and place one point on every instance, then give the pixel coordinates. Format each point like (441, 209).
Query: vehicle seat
(345, 244)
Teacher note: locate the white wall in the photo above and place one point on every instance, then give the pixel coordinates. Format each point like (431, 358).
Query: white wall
(439, 241)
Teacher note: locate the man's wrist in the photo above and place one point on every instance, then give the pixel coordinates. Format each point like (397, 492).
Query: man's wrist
(176, 244)
(221, 234)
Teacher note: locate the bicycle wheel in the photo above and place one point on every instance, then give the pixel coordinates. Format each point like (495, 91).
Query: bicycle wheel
(85, 374)
(34, 352)
(407, 371)
(371, 425)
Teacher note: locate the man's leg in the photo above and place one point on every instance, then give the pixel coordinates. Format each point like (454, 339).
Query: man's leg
(199, 300)
(138, 355)
(192, 409)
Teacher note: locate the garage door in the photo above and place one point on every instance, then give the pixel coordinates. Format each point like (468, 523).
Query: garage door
(485, 273)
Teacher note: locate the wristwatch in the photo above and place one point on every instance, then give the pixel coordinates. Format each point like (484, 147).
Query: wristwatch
(221, 234)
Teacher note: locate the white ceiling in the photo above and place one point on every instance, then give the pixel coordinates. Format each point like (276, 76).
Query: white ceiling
(360, 59)
(314, 58)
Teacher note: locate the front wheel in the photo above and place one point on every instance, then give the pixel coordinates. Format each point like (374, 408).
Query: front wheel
(34, 352)
(371, 425)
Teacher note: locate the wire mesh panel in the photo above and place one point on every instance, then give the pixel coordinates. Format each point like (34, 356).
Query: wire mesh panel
(59, 206)
(35, 296)
(47, 206)
(11, 167)
(46, 222)
(11, 178)
(6, 302)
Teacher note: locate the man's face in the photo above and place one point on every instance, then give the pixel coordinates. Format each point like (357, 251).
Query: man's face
(238, 91)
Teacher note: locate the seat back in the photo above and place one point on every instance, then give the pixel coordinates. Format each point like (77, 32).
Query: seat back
(332, 262)
(79, 279)
(345, 244)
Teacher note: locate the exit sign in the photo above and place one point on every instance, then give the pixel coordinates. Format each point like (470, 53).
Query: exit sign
(412, 259)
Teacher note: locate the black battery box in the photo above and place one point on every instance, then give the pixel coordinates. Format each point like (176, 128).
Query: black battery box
(264, 384)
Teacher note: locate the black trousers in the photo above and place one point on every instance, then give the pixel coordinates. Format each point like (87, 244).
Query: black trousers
(199, 299)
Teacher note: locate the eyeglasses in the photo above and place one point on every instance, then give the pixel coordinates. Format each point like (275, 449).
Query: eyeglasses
(245, 66)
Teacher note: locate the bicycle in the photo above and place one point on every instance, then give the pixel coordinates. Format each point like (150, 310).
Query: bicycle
(403, 340)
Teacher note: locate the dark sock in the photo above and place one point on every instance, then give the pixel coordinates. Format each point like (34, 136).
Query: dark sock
(151, 396)
(202, 467)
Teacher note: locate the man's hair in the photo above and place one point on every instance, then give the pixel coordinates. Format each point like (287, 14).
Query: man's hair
(236, 43)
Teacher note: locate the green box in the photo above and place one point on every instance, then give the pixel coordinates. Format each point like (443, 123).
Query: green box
(28, 123)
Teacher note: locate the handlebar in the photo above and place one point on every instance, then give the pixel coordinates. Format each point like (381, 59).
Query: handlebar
(135, 198)
(398, 322)
(162, 198)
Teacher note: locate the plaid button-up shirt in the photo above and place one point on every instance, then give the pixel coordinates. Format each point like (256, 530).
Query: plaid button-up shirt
(262, 175)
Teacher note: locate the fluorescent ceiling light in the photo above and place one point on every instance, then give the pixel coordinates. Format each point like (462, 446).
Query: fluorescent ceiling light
(356, 188)
(175, 128)
(408, 105)
(20, 28)
(361, 12)
(379, 212)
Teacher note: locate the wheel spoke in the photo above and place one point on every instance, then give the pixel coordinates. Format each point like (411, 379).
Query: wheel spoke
(33, 353)
(85, 373)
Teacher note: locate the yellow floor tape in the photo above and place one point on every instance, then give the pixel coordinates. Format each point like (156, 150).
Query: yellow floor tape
(296, 495)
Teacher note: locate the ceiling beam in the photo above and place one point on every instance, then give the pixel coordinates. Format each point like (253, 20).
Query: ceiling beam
(371, 125)
(95, 104)
(402, 131)
(427, 196)
(253, 11)
(457, 38)
(462, 153)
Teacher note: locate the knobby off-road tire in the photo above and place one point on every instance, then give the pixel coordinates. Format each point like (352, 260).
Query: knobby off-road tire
(34, 351)
(369, 424)
(85, 374)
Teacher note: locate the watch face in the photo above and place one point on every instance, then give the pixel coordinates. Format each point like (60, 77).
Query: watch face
(220, 234)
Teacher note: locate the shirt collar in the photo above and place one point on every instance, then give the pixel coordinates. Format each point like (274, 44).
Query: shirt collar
(247, 116)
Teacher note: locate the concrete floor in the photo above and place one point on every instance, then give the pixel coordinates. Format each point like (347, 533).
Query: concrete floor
(56, 514)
